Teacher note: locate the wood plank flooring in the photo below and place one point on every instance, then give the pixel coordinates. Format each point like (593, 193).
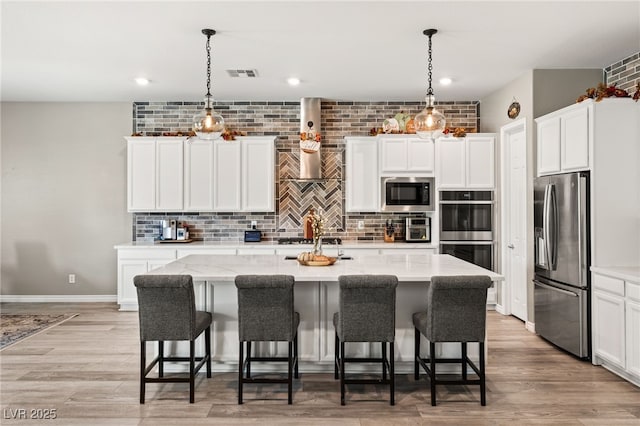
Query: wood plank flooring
(87, 370)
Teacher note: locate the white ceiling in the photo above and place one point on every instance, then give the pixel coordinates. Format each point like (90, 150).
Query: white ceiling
(342, 50)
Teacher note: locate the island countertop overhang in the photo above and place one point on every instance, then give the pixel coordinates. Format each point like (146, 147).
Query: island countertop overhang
(407, 267)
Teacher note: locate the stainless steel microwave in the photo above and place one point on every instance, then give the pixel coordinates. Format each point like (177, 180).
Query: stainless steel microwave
(407, 194)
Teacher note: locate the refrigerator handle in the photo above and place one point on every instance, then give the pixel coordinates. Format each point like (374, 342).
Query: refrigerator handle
(545, 227)
(554, 232)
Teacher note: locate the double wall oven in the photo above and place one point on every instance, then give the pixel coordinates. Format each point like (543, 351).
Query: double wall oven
(466, 226)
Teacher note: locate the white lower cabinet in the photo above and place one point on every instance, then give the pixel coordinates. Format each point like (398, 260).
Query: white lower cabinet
(137, 262)
(616, 325)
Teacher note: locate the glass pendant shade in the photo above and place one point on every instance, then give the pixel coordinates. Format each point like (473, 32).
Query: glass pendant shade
(208, 124)
(429, 123)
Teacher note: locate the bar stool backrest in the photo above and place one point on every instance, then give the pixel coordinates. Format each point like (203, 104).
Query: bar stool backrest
(166, 307)
(265, 307)
(367, 308)
(457, 308)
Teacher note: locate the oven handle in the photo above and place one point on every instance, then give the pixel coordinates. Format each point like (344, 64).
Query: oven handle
(470, 243)
(466, 202)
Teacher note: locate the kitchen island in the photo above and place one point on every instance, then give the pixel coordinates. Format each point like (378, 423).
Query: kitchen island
(316, 299)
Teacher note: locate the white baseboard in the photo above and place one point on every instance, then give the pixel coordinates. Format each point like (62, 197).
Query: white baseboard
(53, 298)
(531, 326)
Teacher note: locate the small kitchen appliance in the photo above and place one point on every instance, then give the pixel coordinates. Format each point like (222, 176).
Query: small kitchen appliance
(418, 230)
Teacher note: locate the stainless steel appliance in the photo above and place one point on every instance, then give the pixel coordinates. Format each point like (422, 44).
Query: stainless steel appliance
(418, 230)
(407, 194)
(562, 259)
(466, 226)
(466, 215)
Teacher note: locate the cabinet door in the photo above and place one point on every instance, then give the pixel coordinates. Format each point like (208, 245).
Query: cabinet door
(169, 174)
(393, 155)
(141, 174)
(198, 175)
(362, 181)
(127, 295)
(608, 327)
(633, 336)
(548, 146)
(227, 172)
(480, 162)
(420, 156)
(451, 164)
(258, 178)
(574, 126)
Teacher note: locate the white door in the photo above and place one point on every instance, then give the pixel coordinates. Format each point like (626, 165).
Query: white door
(362, 181)
(514, 175)
(258, 176)
(227, 176)
(480, 162)
(169, 174)
(198, 175)
(450, 161)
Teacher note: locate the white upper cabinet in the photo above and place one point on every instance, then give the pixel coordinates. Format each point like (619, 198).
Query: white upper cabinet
(244, 174)
(362, 182)
(227, 176)
(154, 174)
(169, 174)
(467, 162)
(198, 175)
(405, 156)
(258, 174)
(563, 140)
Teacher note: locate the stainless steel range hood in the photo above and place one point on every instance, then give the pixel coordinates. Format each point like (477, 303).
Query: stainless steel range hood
(310, 158)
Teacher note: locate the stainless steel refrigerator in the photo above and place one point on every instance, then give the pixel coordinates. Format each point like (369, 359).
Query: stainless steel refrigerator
(562, 260)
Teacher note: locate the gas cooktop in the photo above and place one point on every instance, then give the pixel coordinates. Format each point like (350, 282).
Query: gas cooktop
(298, 240)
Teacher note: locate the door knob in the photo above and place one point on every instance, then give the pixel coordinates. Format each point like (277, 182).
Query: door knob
(511, 246)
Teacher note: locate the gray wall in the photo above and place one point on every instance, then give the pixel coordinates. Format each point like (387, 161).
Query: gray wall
(63, 196)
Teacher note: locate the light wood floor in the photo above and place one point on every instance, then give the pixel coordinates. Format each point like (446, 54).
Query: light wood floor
(87, 370)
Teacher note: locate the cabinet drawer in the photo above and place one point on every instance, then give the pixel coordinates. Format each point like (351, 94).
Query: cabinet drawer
(147, 254)
(633, 291)
(217, 251)
(611, 285)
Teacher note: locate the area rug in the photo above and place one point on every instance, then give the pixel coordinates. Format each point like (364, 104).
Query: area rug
(15, 327)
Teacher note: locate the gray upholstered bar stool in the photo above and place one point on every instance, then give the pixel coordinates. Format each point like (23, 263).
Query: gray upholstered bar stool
(367, 314)
(265, 314)
(456, 312)
(167, 311)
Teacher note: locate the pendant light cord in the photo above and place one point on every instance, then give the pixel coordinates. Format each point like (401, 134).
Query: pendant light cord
(430, 69)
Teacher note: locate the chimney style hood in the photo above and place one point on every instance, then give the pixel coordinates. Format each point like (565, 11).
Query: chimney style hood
(310, 159)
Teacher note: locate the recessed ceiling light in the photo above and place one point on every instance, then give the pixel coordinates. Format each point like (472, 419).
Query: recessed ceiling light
(293, 81)
(141, 81)
(445, 81)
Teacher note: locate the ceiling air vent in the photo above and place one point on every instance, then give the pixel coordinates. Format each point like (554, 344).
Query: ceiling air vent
(242, 73)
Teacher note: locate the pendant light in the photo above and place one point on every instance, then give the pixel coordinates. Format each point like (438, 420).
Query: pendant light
(208, 124)
(430, 122)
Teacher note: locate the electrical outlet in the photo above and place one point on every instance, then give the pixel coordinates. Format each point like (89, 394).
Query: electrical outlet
(361, 224)
(72, 278)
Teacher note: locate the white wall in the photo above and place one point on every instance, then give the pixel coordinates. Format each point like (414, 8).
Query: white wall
(63, 196)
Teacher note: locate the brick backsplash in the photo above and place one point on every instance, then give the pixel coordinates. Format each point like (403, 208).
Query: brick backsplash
(625, 73)
(282, 119)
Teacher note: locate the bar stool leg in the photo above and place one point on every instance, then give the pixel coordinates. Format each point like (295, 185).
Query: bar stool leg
(240, 372)
(336, 354)
(483, 384)
(392, 374)
(384, 360)
(248, 359)
(464, 360)
(296, 373)
(207, 349)
(290, 375)
(342, 373)
(160, 358)
(432, 357)
(416, 347)
(192, 370)
(143, 366)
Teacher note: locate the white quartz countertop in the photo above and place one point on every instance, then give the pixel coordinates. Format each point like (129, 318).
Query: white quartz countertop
(627, 273)
(267, 245)
(407, 267)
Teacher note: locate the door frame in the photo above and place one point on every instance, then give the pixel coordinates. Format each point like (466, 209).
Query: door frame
(503, 304)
